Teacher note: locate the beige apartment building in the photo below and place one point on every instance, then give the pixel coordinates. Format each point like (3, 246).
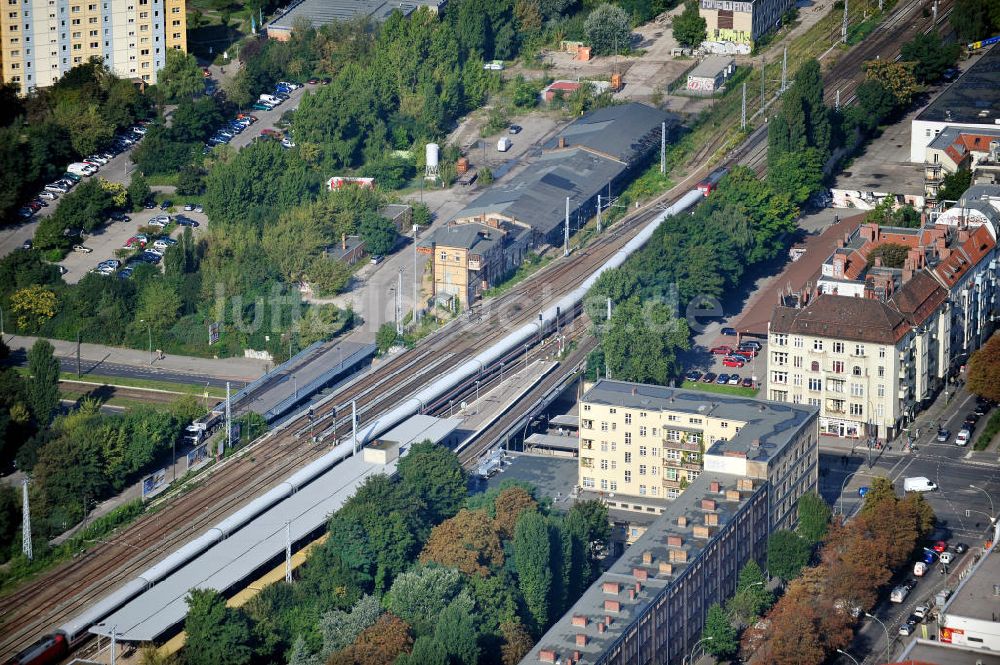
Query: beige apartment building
(738, 22)
(40, 40)
(643, 445)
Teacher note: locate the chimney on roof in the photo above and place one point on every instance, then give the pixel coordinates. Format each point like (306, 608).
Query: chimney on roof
(682, 521)
(839, 264)
(581, 640)
(870, 232)
(711, 519)
(666, 568)
(635, 391)
(963, 236)
(601, 628)
(708, 504)
(878, 262)
(640, 574)
(580, 620)
(547, 656)
(674, 541)
(562, 141)
(647, 557)
(715, 486)
(702, 532)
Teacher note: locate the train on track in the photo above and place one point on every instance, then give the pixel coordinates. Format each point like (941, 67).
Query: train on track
(55, 646)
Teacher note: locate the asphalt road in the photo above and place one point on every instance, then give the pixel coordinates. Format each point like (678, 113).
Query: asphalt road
(963, 513)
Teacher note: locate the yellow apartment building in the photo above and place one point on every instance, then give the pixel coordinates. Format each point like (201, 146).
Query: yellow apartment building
(41, 40)
(643, 445)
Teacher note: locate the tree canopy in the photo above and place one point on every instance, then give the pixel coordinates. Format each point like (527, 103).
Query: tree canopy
(984, 370)
(689, 27)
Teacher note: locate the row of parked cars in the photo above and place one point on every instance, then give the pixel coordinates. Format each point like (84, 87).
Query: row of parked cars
(739, 355)
(982, 407)
(228, 131)
(84, 168)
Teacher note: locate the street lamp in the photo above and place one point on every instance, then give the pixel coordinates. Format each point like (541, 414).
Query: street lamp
(149, 327)
(992, 511)
(853, 659)
(477, 390)
(685, 660)
(888, 642)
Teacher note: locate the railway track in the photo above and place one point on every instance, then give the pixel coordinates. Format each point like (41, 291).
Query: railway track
(38, 605)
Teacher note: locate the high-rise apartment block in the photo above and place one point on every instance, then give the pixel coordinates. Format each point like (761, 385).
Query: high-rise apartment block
(40, 40)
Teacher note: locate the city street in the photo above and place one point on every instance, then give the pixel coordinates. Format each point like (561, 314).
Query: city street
(963, 512)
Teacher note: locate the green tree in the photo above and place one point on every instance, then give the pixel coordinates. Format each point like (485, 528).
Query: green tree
(433, 473)
(798, 173)
(138, 191)
(216, 634)
(689, 28)
(953, 185)
(43, 388)
(752, 598)
(608, 29)
(517, 642)
(876, 102)
(181, 77)
(787, 554)
(456, 630)
(719, 634)
(642, 341)
(378, 233)
(880, 489)
(386, 337)
(420, 596)
(427, 650)
(10, 519)
(532, 561)
(328, 276)
(932, 56)
(340, 628)
(975, 19)
(892, 254)
(814, 517)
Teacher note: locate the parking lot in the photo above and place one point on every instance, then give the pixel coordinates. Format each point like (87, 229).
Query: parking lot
(105, 241)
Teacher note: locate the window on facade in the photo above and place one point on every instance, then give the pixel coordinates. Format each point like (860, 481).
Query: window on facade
(857, 390)
(779, 339)
(628, 476)
(670, 473)
(642, 469)
(881, 390)
(671, 454)
(642, 430)
(588, 482)
(779, 377)
(859, 349)
(604, 465)
(642, 490)
(856, 370)
(614, 486)
(817, 345)
(838, 366)
(881, 371)
(628, 458)
(604, 426)
(796, 379)
(856, 409)
(628, 418)
(815, 384)
(628, 438)
(604, 484)
(779, 358)
(798, 342)
(838, 347)
(724, 424)
(642, 451)
(881, 352)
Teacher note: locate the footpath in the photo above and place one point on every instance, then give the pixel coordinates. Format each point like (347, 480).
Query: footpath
(230, 369)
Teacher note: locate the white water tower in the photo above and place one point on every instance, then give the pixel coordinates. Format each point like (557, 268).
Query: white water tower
(432, 157)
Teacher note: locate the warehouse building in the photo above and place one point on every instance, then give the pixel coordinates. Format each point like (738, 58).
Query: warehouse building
(596, 154)
(710, 74)
(972, 102)
(317, 13)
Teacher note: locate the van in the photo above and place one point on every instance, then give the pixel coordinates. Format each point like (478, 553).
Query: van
(919, 568)
(270, 99)
(504, 144)
(81, 168)
(942, 597)
(918, 484)
(899, 594)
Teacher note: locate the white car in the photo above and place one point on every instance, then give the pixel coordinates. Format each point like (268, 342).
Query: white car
(96, 159)
(158, 252)
(56, 187)
(963, 438)
(921, 611)
(287, 142)
(114, 264)
(45, 194)
(947, 557)
(291, 86)
(159, 220)
(83, 249)
(140, 130)
(164, 243)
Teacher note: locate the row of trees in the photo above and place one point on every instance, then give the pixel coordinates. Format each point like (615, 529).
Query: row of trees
(691, 260)
(43, 132)
(415, 569)
(817, 613)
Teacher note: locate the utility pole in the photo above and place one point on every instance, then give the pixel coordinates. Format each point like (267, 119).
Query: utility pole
(78, 372)
(836, 104)
(288, 553)
(784, 71)
(934, 10)
(763, 70)
(229, 423)
(566, 234)
(114, 643)
(399, 303)
(843, 26)
(609, 310)
(743, 110)
(416, 277)
(663, 148)
(354, 425)
(25, 521)
(598, 213)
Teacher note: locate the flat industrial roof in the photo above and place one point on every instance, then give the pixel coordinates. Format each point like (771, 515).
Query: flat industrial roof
(711, 66)
(975, 598)
(772, 424)
(554, 441)
(561, 637)
(419, 428)
(233, 559)
(554, 477)
(321, 12)
(974, 98)
(925, 651)
(623, 131)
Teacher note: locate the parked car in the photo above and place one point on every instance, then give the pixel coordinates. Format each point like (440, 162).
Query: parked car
(184, 220)
(260, 106)
(83, 249)
(149, 205)
(287, 143)
(150, 256)
(734, 379)
(51, 196)
(729, 332)
(709, 377)
(96, 159)
(722, 379)
(133, 242)
(921, 611)
(749, 354)
(960, 548)
(733, 361)
(514, 129)
(908, 626)
(71, 177)
(56, 187)
(125, 273)
(290, 84)
(940, 546)
(943, 435)
(164, 243)
(947, 557)
(159, 220)
(189, 207)
(376, 259)
(118, 216)
(198, 208)
(751, 344)
(747, 382)
(110, 263)
(27, 244)
(963, 438)
(721, 350)
(693, 375)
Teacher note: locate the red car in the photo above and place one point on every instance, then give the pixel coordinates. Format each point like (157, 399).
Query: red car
(746, 353)
(722, 350)
(733, 361)
(940, 546)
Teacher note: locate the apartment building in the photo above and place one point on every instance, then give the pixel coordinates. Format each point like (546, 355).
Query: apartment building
(650, 606)
(642, 446)
(736, 22)
(41, 40)
(874, 343)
